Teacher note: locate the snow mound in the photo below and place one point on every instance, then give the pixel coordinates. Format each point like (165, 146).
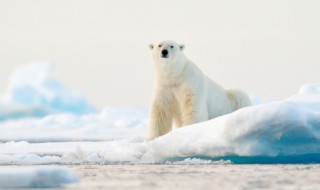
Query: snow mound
(35, 177)
(286, 128)
(32, 92)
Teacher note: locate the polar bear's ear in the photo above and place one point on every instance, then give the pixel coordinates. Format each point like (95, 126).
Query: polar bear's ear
(151, 46)
(181, 47)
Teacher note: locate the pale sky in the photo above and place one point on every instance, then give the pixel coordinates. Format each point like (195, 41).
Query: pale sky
(267, 48)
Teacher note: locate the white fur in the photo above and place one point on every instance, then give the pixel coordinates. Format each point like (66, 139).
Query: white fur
(183, 94)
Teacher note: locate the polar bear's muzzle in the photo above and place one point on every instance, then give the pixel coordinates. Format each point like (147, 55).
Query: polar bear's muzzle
(164, 53)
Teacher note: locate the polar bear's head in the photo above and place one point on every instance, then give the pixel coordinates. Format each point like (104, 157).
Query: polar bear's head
(166, 51)
(169, 62)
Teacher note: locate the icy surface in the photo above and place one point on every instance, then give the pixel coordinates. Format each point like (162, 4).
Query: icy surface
(279, 132)
(35, 177)
(110, 124)
(33, 92)
(277, 129)
(286, 131)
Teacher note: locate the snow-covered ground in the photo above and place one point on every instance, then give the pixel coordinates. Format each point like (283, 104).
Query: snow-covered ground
(190, 177)
(189, 174)
(286, 131)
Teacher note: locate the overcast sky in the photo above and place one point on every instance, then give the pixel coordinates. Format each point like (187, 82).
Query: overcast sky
(267, 48)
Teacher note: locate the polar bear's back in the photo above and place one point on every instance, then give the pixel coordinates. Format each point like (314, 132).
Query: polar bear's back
(238, 98)
(218, 101)
(221, 101)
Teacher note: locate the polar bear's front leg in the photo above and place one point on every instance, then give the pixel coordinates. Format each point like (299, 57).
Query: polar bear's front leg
(160, 120)
(189, 111)
(193, 108)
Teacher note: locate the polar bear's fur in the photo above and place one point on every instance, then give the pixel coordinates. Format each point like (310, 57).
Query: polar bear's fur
(183, 94)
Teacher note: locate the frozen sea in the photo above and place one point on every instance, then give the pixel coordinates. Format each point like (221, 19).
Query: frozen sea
(51, 137)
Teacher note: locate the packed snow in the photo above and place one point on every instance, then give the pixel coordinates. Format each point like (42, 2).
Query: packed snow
(36, 177)
(286, 131)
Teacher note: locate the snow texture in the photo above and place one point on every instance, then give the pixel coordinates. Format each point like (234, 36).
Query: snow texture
(32, 92)
(35, 177)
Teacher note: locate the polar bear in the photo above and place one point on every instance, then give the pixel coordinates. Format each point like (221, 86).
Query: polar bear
(183, 94)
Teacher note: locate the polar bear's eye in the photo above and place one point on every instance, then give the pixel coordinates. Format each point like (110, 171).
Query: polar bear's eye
(159, 45)
(171, 47)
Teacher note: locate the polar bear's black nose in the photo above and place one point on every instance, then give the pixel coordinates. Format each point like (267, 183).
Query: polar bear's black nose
(164, 52)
